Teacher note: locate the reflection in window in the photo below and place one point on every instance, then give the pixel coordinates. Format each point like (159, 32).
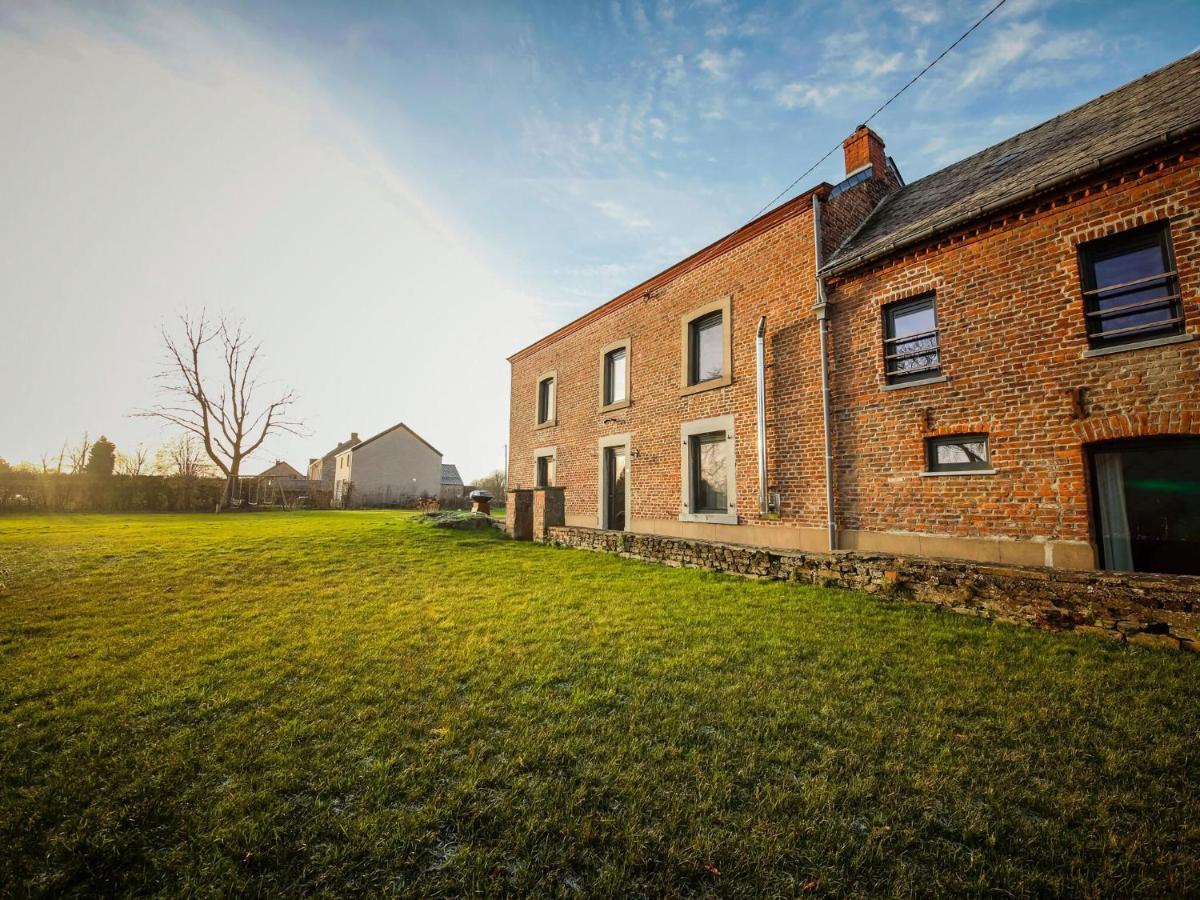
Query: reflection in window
(910, 345)
(706, 352)
(615, 362)
(709, 473)
(958, 453)
(545, 471)
(1130, 288)
(545, 410)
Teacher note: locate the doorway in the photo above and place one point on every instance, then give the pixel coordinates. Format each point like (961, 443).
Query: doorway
(615, 473)
(1146, 502)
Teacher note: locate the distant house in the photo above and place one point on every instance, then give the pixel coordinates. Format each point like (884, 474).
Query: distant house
(322, 469)
(281, 469)
(452, 483)
(393, 467)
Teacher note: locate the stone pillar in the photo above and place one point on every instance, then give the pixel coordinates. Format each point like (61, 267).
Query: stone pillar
(518, 514)
(549, 510)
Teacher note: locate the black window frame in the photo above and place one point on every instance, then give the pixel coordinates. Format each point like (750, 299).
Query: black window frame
(891, 374)
(609, 383)
(695, 326)
(1129, 241)
(932, 443)
(545, 400)
(695, 442)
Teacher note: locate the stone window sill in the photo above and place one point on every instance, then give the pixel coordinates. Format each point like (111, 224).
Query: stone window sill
(711, 518)
(549, 424)
(960, 472)
(936, 379)
(711, 384)
(613, 407)
(1139, 345)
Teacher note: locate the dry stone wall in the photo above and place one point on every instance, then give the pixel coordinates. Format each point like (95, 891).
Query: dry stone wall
(1151, 610)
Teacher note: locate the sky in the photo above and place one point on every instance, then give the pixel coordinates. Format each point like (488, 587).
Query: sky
(396, 197)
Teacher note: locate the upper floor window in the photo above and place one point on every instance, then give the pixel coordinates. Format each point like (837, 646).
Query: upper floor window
(1130, 287)
(546, 400)
(910, 340)
(958, 453)
(614, 375)
(706, 354)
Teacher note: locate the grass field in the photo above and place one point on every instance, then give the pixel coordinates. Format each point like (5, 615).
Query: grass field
(343, 703)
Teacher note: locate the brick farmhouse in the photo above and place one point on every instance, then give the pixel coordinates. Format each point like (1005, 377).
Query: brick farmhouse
(993, 363)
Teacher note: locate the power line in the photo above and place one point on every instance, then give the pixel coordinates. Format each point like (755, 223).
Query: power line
(885, 105)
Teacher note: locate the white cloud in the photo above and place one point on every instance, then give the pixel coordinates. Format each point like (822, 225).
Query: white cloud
(1005, 48)
(719, 65)
(799, 94)
(920, 13)
(200, 168)
(620, 214)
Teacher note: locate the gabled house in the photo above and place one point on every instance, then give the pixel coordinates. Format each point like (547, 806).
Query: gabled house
(281, 469)
(321, 469)
(997, 362)
(393, 468)
(452, 483)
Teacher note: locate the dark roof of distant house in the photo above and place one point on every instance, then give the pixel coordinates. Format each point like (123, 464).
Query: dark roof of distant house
(281, 469)
(344, 445)
(450, 474)
(376, 437)
(1157, 108)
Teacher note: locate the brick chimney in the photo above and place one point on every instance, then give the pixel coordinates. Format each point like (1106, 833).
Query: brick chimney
(863, 148)
(354, 437)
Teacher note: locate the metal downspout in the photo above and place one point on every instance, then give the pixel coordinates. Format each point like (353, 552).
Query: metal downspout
(760, 372)
(822, 310)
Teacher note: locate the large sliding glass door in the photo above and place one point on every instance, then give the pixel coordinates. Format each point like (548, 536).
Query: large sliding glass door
(1147, 504)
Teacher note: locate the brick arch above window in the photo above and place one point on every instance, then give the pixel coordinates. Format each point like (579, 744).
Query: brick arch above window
(1118, 426)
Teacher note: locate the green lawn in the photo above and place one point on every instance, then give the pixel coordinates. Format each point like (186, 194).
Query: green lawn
(345, 703)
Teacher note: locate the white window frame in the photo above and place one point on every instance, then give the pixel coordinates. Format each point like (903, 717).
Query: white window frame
(686, 432)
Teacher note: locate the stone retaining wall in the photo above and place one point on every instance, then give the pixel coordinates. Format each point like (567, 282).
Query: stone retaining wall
(1152, 610)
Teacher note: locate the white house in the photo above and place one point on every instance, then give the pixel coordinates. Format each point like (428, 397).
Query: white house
(393, 466)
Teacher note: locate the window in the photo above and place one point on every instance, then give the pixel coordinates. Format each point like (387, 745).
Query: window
(706, 348)
(545, 471)
(958, 453)
(910, 341)
(709, 488)
(614, 375)
(1130, 288)
(706, 356)
(546, 400)
(708, 470)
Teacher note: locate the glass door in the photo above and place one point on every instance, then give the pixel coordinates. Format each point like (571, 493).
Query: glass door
(614, 484)
(1148, 504)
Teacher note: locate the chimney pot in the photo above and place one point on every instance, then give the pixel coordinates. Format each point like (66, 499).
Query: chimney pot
(864, 148)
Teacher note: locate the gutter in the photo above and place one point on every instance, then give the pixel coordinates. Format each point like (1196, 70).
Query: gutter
(760, 372)
(1088, 168)
(822, 310)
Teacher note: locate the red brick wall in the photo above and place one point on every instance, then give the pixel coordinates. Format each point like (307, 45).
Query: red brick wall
(1011, 320)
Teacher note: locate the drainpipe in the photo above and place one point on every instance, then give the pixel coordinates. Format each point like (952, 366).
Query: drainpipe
(760, 348)
(822, 310)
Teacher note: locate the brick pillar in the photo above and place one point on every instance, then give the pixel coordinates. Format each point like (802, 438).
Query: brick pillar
(549, 510)
(518, 514)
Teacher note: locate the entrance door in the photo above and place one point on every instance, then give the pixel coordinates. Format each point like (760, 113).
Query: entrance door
(1147, 496)
(614, 486)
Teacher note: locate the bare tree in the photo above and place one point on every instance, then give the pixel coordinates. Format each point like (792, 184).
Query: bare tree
(77, 456)
(183, 457)
(133, 463)
(223, 410)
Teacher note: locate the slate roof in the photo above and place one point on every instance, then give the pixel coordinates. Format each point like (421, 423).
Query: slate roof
(450, 475)
(1157, 108)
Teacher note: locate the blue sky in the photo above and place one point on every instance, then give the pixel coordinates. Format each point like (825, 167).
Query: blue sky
(386, 192)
